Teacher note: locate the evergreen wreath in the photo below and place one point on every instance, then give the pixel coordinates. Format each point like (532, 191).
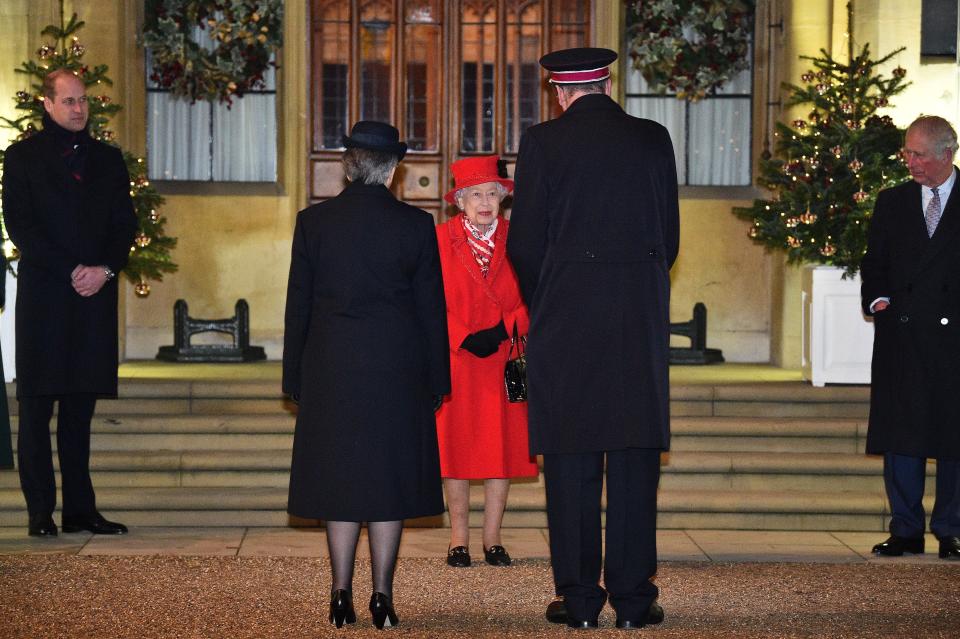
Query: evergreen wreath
(689, 47)
(243, 36)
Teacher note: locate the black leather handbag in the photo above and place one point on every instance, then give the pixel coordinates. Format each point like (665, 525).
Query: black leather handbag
(515, 372)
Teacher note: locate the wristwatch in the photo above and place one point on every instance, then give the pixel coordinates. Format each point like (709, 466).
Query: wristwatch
(109, 272)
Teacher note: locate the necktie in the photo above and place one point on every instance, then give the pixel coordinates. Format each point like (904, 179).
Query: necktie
(932, 215)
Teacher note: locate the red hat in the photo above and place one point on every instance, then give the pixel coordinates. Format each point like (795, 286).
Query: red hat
(475, 170)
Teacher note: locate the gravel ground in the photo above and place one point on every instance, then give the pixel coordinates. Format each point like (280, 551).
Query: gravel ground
(79, 596)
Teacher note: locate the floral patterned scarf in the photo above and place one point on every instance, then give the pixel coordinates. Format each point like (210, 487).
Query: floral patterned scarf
(481, 244)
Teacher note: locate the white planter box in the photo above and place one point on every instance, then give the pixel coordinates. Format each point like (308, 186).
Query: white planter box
(8, 342)
(837, 338)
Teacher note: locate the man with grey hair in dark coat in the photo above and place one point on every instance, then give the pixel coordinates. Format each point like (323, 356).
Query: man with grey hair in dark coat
(911, 286)
(594, 232)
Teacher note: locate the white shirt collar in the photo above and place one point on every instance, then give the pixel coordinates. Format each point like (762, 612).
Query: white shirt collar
(943, 190)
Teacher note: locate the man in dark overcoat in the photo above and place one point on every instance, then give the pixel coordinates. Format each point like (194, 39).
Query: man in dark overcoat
(594, 232)
(911, 286)
(67, 207)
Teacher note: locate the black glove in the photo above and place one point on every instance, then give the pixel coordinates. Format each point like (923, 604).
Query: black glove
(486, 342)
(437, 402)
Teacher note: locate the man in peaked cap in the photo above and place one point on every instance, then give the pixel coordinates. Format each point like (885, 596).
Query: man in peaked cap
(594, 232)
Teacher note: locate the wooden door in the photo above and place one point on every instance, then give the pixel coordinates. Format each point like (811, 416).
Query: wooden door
(456, 77)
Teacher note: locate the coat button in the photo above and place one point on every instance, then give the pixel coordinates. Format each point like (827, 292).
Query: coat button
(944, 321)
(589, 254)
(652, 253)
(904, 319)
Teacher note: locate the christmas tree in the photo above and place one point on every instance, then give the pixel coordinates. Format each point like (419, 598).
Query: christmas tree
(829, 167)
(150, 254)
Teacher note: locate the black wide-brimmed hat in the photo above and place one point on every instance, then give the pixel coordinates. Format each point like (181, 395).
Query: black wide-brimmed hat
(578, 65)
(375, 136)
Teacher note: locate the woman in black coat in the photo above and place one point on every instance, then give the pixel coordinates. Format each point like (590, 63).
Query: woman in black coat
(365, 355)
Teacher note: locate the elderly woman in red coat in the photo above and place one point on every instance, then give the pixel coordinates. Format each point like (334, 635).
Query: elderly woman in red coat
(481, 434)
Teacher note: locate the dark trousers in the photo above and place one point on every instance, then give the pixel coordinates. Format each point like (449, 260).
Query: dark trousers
(35, 460)
(574, 483)
(904, 477)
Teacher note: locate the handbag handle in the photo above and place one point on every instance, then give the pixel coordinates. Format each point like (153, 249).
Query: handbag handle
(518, 341)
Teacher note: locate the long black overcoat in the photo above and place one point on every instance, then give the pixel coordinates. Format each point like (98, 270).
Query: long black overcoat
(593, 234)
(916, 347)
(66, 343)
(365, 348)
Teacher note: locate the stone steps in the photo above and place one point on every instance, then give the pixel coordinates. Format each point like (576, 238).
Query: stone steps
(681, 470)
(678, 508)
(212, 453)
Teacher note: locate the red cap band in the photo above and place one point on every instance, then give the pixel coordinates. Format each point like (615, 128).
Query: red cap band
(574, 77)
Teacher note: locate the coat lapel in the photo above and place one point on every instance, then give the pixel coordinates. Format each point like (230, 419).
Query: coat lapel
(458, 240)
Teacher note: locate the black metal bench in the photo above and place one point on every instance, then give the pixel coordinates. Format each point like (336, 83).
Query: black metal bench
(696, 330)
(184, 327)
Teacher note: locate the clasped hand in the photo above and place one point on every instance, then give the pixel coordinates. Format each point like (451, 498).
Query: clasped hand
(486, 342)
(88, 280)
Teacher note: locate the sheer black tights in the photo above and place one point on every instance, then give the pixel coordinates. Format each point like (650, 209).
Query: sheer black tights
(342, 537)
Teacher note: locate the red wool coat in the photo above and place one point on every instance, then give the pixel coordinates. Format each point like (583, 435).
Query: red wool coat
(481, 434)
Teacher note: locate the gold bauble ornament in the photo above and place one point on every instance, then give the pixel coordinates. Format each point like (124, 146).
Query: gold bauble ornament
(837, 151)
(828, 249)
(899, 72)
(808, 217)
(142, 240)
(792, 222)
(807, 77)
(800, 124)
(847, 107)
(822, 88)
(860, 196)
(793, 242)
(752, 233)
(855, 165)
(142, 289)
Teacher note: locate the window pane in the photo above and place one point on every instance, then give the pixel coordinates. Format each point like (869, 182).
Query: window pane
(239, 154)
(331, 57)
(422, 80)
(178, 138)
(720, 142)
(422, 11)
(523, 70)
(479, 56)
(712, 137)
(376, 54)
(569, 20)
(570, 11)
(670, 112)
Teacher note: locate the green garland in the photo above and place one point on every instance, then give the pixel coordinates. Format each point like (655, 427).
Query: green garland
(243, 36)
(689, 47)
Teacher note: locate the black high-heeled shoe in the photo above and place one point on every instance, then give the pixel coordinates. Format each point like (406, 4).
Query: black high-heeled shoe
(381, 607)
(341, 608)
